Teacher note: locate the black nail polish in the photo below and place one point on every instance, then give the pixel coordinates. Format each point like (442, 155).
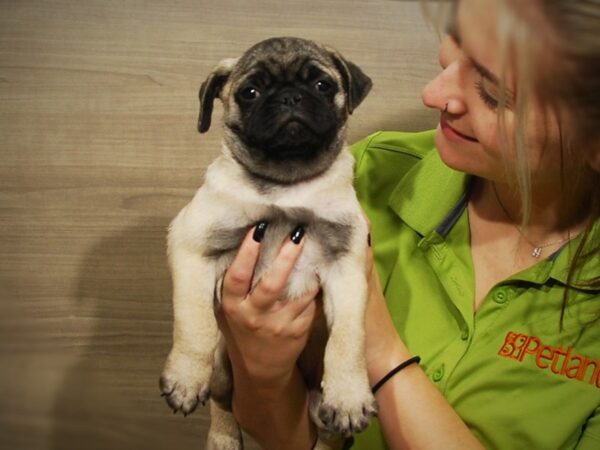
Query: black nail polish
(369, 239)
(297, 234)
(259, 231)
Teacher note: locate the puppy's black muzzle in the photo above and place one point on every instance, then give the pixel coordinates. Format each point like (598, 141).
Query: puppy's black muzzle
(289, 98)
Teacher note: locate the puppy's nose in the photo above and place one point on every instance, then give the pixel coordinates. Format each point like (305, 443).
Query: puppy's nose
(291, 98)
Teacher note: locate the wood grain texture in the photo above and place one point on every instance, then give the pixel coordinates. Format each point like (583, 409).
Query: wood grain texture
(98, 152)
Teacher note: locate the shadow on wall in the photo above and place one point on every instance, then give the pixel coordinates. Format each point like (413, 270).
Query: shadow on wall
(110, 398)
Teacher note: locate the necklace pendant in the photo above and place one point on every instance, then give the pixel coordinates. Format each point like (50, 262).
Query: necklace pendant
(537, 251)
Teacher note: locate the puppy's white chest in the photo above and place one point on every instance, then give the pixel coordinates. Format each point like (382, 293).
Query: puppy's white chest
(231, 202)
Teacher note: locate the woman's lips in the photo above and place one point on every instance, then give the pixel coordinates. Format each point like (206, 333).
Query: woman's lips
(453, 134)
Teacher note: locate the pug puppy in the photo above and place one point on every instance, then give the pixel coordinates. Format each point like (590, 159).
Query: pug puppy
(285, 162)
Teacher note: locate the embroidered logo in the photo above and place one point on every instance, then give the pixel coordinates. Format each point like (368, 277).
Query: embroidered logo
(561, 361)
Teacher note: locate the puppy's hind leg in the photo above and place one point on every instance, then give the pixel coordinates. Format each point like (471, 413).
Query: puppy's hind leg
(224, 432)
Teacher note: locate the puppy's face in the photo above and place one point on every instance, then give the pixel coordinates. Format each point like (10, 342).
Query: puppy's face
(286, 102)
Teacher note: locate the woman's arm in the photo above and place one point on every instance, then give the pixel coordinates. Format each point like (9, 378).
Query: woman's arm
(274, 413)
(264, 339)
(412, 412)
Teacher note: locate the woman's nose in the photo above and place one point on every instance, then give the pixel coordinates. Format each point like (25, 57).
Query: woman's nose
(445, 91)
(432, 94)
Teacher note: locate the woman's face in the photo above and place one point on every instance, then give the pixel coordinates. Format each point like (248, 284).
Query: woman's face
(467, 93)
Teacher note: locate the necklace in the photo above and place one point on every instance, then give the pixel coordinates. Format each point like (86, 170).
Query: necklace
(537, 249)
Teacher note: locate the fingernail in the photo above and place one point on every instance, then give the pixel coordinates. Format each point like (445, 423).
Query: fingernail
(297, 234)
(369, 239)
(259, 231)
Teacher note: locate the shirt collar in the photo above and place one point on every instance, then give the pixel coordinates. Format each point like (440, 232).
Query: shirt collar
(438, 190)
(441, 195)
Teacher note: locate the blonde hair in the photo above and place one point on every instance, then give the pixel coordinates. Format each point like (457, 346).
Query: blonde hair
(513, 34)
(553, 50)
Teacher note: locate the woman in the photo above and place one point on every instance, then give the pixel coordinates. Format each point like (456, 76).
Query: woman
(486, 243)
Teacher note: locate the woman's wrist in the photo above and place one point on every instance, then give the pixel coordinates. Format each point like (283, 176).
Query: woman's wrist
(386, 358)
(271, 382)
(276, 415)
(259, 373)
(400, 367)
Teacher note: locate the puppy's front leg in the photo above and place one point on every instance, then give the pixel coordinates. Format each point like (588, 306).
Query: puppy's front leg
(347, 403)
(186, 376)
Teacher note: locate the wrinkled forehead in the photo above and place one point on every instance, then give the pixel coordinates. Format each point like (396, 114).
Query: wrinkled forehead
(285, 60)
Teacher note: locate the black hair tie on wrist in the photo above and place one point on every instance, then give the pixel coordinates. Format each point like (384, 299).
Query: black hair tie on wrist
(394, 371)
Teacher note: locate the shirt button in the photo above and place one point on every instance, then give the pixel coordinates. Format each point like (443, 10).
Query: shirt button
(438, 374)
(500, 296)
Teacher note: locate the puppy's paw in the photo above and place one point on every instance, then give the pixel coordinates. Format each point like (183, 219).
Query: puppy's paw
(344, 412)
(185, 381)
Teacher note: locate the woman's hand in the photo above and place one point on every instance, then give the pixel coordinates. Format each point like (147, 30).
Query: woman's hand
(265, 334)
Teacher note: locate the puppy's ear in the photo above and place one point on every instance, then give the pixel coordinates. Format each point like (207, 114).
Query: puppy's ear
(211, 89)
(356, 83)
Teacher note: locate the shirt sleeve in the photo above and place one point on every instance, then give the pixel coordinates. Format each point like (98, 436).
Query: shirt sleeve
(590, 438)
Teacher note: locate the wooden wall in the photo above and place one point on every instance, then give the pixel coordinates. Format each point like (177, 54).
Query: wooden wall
(98, 152)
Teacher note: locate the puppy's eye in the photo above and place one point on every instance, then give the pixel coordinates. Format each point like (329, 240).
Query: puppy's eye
(249, 93)
(323, 86)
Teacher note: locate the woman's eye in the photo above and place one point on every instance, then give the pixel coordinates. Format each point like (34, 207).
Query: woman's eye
(323, 86)
(485, 96)
(249, 93)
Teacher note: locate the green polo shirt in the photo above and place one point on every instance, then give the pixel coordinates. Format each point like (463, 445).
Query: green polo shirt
(514, 377)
